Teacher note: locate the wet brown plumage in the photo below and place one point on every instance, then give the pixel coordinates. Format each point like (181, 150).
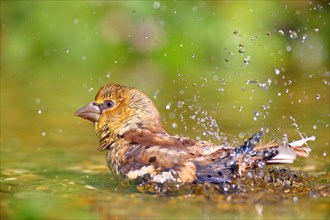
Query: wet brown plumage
(128, 126)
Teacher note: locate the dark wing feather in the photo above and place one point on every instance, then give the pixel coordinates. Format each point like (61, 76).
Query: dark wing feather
(223, 169)
(249, 155)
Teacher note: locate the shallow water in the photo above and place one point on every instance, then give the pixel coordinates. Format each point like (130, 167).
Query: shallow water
(59, 174)
(240, 74)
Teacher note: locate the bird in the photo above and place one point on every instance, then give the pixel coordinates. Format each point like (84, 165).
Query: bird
(129, 128)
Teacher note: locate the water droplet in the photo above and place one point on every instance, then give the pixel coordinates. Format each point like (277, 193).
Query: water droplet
(324, 154)
(276, 71)
(295, 199)
(304, 37)
(83, 58)
(235, 32)
(37, 101)
(241, 135)
(249, 174)
(221, 89)
(247, 60)
(39, 111)
(288, 48)
(171, 115)
(168, 106)
(261, 164)
(316, 29)
(269, 82)
(75, 20)
(108, 75)
(214, 123)
(318, 96)
(90, 89)
(279, 94)
(314, 127)
(256, 115)
(293, 34)
(43, 133)
(193, 55)
(241, 51)
(67, 50)
(156, 5)
(156, 94)
(281, 32)
(174, 125)
(215, 78)
(180, 104)
(226, 187)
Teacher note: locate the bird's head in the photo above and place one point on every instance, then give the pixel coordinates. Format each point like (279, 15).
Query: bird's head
(119, 109)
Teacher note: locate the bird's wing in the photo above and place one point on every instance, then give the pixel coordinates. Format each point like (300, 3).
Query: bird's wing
(163, 153)
(160, 163)
(249, 155)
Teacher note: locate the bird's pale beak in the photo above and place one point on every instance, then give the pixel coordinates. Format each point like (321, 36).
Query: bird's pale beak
(90, 112)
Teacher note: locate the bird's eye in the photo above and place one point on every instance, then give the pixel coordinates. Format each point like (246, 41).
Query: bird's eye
(109, 104)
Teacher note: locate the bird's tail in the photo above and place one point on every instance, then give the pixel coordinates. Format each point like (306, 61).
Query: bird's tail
(275, 152)
(287, 152)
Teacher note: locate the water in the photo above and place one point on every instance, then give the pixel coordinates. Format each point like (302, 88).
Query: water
(53, 62)
(51, 159)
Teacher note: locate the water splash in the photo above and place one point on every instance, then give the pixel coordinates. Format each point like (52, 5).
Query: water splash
(180, 104)
(294, 123)
(276, 71)
(293, 34)
(281, 32)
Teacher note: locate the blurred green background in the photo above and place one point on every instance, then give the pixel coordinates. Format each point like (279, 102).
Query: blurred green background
(215, 69)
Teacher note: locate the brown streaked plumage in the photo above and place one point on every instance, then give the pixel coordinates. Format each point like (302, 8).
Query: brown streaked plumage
(128, 126)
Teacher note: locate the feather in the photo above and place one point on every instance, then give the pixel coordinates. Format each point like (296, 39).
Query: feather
(287, 152)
